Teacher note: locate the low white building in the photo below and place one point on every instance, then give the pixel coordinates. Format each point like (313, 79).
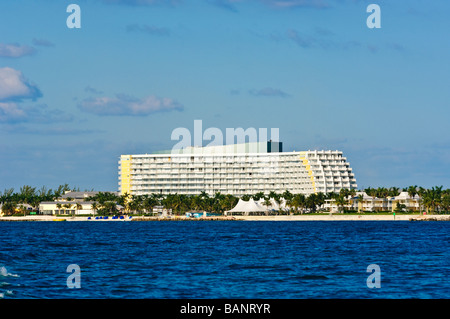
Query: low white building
(411, 203)
(66, 207)
(71, 203)
(363, 202)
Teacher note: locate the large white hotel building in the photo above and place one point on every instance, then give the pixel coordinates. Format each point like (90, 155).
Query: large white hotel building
(235, 169)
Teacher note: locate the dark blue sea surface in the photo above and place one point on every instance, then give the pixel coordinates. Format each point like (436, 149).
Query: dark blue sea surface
(224, 259)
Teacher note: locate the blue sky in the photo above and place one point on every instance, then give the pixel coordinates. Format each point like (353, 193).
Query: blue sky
(73, 100)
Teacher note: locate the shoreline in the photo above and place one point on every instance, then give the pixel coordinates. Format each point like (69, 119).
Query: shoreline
(325, 217)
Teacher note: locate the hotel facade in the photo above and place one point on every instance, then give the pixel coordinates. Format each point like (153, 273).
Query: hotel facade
(236, 169)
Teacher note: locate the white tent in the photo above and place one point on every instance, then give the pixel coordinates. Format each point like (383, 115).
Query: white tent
(247, 207)
(240, 207)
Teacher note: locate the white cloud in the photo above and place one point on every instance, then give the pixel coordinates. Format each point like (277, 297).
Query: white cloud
(11, 112)
(92, 90)
(142, 2)
(276, 4)
(15, 50)
(149, 29)
(15, 87)
(43, 42)
(296, 3)
(268, 91)
(127, 105)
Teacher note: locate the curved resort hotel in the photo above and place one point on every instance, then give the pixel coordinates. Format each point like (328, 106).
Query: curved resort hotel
(236, 169)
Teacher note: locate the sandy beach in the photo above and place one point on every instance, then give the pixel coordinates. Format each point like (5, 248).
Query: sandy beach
(341, 217)
(324, 217)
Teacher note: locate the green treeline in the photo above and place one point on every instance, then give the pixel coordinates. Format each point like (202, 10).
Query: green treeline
(435, 200)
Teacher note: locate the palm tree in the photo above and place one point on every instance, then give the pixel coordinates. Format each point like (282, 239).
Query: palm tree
(169, 202)
(421, 191)
(299, 201)
(204, 195)
(330, 195)
(148, 203)
(320, 198)
(267, 202)
(289, 202)
(258, 196)
(412, 192)
(344, 192)
(360, 202)
(446, 200)
(9, 208)
(110, 206)
(352, 192)
(340, 201)
(6, 195)
(135, 203)
(66, 206)
(438, 197)
(383, 193)
(61, 190)
(184, 201)
(35, 201)
(432, 198)
(311, 202)
(78, 206)
(393, 191)
(94, 206)
(59, 206)
(287, 195)
(27, 193)
(196, 202)
(231, 201)
(372, 192)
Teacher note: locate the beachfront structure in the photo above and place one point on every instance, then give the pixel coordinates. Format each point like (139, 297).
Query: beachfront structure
(363, 202)
(257, 207)
(77, 196)
(66, 207)
(70, 203)
(236, 169)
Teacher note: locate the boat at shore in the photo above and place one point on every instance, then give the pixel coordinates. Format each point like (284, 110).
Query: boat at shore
(59, 219)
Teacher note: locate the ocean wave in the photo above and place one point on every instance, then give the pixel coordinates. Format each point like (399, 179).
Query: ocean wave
(6, 293)
(4, 272)
(311, 277)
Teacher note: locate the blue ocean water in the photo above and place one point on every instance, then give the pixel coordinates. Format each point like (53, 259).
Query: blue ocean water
(224, 259)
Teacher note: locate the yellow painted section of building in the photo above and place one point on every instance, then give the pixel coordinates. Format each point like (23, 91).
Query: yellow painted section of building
(394, 205)
(309, 170)
(125, 174)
